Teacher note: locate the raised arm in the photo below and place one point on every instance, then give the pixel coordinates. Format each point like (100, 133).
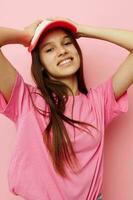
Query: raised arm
(123, 77)
(7, 71)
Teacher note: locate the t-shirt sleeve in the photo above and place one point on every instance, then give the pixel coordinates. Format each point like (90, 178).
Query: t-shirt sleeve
(112, 107)
(104, 103)
(19, 102)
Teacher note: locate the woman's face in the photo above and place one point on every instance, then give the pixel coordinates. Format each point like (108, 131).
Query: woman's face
(59, 55)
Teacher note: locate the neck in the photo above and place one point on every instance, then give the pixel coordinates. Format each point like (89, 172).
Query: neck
(72, 83)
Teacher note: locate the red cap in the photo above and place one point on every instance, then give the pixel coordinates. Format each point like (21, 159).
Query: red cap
(47, 25)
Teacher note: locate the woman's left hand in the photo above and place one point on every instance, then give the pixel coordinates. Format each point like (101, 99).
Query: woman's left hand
(68, 20)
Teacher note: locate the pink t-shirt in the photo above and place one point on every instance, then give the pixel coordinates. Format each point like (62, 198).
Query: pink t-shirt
(31, 174)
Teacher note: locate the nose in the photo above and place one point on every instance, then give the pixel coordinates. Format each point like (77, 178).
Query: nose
(61, 50)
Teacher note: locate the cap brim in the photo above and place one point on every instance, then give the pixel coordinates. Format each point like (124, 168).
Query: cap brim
(47, 25)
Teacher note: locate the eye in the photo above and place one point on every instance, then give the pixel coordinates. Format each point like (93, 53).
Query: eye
(50, 49)
(67, 43)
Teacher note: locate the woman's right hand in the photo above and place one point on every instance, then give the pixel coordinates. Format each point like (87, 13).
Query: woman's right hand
(29, 31)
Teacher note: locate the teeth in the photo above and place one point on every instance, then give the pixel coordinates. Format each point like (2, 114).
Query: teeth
(65, 61)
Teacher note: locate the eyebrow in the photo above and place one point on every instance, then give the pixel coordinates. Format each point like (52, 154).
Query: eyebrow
(66, 36)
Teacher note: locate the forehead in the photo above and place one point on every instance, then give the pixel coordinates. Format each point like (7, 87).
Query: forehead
(55, 32)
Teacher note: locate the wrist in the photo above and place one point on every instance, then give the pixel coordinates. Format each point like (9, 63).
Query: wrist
(87, 31)
(81, 32)
(25, 38)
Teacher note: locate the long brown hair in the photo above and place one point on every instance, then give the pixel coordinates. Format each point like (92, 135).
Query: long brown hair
(59, 145)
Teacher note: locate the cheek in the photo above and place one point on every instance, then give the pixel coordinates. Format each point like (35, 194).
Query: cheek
(77, 57)
(48, 63)
(75, 52)
(45, 60)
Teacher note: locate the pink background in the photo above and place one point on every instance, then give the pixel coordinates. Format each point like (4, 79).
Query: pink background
(101, 59)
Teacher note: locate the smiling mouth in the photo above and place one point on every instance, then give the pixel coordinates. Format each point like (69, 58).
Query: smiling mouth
(65, 62)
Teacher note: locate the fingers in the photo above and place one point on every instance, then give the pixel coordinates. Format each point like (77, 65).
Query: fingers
(37, 22)
(58, 18)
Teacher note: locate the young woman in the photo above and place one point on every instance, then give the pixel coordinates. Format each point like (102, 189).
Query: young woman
(60, 124)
